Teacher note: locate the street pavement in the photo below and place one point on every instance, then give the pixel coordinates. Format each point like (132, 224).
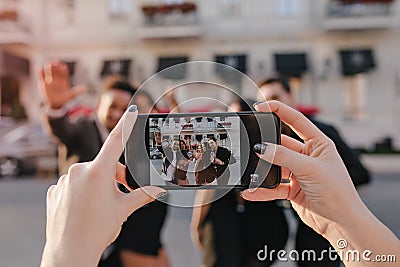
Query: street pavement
(22, 223)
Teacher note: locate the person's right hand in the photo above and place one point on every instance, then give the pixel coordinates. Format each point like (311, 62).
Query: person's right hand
(320, 190)
(56, 86)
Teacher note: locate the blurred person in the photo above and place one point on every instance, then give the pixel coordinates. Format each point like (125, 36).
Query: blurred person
(84, 138)
(320, 190)
(278, 88)
(231, 231)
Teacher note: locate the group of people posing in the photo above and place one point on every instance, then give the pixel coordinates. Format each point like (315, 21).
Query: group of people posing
(210, 160)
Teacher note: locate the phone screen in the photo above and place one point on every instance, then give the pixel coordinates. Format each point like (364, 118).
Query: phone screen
(207, 150)
(194, 151)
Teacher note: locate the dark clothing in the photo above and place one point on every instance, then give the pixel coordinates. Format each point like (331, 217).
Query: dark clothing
(238, 236)
(201, 174)
(351, 160)
(209, 170)
(81, 138)
(141, 232)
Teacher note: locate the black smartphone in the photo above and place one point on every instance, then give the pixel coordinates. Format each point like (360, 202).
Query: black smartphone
(202, 150)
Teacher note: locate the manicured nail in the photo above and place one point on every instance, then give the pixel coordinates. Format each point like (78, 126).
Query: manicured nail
(162, 196)
(257, 103)
(132, 108)
(260, 148)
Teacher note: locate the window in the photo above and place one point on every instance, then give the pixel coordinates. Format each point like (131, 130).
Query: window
(229, 8)
(288, 8)
(119, 8)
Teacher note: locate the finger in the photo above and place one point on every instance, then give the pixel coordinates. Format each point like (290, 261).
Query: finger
(121, 175)
(285, 173)
(42, 75)
(113, 147)
(282, 156)
(264, 194)
(302, 126)
(77, 90)
(47, 72)
(51, 190)
(292, 143)
(60, 69)
(128, 124)
(140, 197)
(57, 70)
(61, 180)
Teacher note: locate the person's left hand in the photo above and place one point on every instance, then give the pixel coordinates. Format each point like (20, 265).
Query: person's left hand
(85, 210)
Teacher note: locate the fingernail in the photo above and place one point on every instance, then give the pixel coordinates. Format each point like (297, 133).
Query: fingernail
(257, 103)
(132, 108)
(162, 196)
(260, 148)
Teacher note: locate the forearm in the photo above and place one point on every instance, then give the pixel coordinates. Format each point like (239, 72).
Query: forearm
(76, 255)
(201, 208)
(362, 240)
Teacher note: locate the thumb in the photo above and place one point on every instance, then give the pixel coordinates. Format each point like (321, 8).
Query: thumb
(78, 90)
(140, 197)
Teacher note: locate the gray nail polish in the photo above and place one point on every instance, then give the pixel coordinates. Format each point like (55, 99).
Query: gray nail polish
(132, 108)
(257, 103)
(260, 148)
(162, 196)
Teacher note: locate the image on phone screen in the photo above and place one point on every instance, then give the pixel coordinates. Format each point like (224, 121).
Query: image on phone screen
(194, 151)
(202, 150)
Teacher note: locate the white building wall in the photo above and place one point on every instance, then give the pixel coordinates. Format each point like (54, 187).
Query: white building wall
(88, 35)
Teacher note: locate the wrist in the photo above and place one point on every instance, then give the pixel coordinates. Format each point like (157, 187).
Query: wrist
(56, 112)
(350, 216)
(64, 255)
(357, 222)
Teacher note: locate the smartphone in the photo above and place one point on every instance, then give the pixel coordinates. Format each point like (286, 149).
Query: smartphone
(202, 150)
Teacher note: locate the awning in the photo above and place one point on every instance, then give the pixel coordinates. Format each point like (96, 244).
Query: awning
(291, 65)
(177, 73)
(356, 61)
(223, 136)
(236, 61)
(119, 67)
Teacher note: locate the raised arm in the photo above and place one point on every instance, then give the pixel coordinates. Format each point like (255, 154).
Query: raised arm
(55, 86)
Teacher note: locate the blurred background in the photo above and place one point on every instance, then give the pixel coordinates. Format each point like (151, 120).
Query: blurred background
(341, 56)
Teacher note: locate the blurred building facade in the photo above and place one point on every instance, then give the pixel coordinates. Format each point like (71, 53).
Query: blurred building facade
(343, 53)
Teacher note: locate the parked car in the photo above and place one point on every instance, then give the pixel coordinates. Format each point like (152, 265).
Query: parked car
(155, 153)
(25, 149)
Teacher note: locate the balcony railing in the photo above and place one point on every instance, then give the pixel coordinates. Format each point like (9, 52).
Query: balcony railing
(360, 8)
(360, 15)
(170, 21)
